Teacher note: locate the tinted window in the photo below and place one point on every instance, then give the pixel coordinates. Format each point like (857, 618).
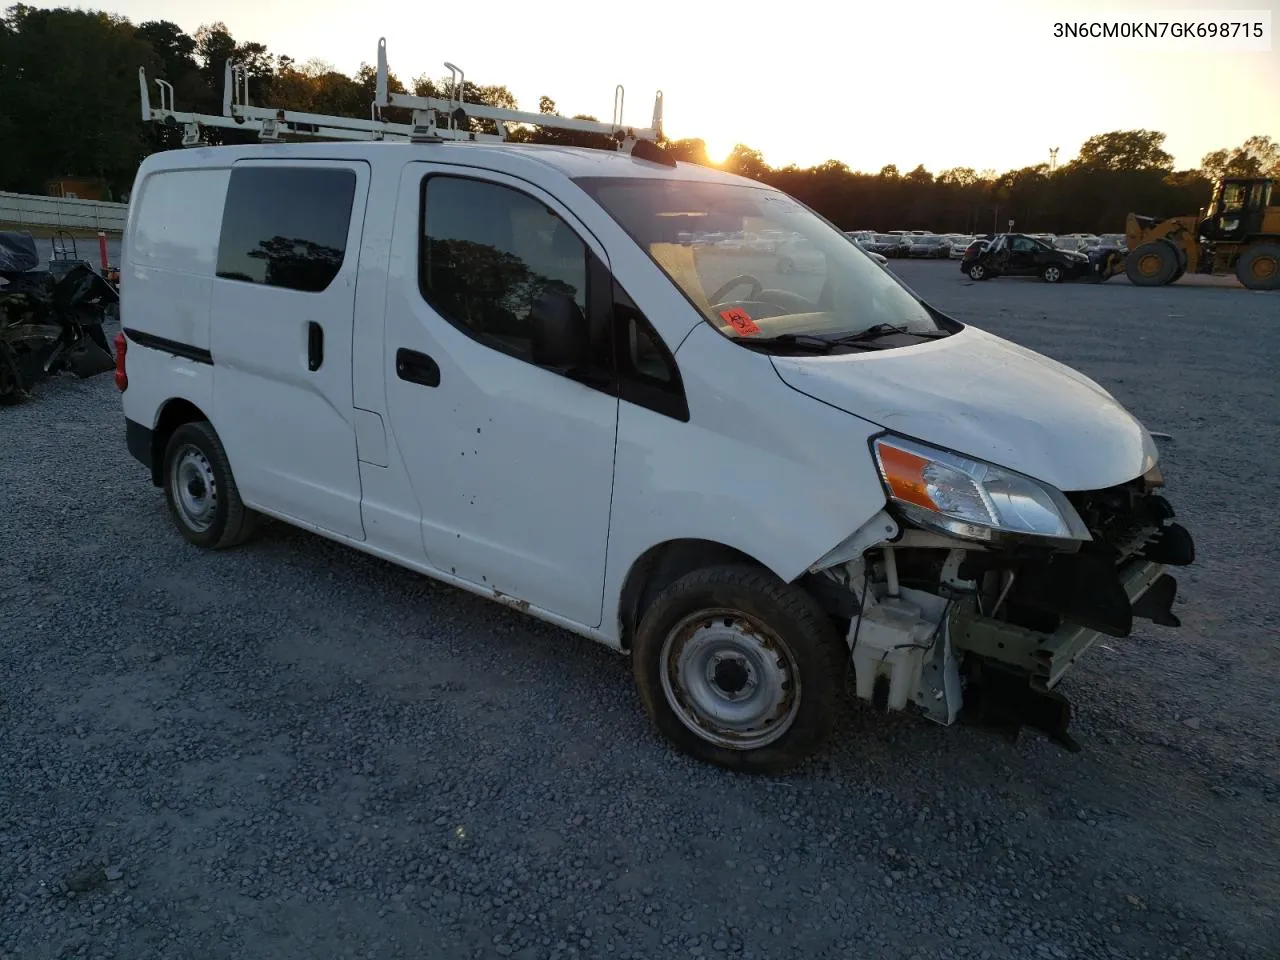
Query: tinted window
(488, 252)
(286, 226)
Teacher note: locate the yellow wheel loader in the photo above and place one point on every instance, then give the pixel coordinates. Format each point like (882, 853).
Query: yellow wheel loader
(1239, 232)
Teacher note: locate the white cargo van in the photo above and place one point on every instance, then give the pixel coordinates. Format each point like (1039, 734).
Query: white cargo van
(500, 365)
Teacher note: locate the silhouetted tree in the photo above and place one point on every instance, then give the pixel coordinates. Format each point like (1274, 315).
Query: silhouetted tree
(1125, 150)
(1257, 157)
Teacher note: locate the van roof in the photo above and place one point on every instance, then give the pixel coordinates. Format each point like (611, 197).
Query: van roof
(572, 162)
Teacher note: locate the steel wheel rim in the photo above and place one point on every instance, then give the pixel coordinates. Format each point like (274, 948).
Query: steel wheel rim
(730, 680)
(1263, 268)
(1052, 274)
(194, 489)
(1150, 264)
(975, 272)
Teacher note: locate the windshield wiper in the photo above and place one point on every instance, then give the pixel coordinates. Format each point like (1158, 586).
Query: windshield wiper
(818, 344)
(801, 341)
(876, 331)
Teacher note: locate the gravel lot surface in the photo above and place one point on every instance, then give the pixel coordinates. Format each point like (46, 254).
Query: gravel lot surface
(294, 750)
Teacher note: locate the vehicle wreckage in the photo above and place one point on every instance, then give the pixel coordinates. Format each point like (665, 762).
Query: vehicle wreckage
(50, 319)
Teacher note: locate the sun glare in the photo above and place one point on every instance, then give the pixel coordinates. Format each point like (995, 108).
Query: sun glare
(719, 148)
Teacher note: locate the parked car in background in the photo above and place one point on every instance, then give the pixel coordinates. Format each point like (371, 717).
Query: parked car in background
(1020, 255)
(890, 244)
(864, 245)
(960, 245)
(930, 247)
(1079, 244)
(1117, 241)
(800, 256)
(771, 240)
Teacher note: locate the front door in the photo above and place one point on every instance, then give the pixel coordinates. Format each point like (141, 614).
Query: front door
(511, 462)
(1022, 257)
(282, 306)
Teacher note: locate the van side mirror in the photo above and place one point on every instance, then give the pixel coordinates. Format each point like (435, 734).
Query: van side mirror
(560, 335)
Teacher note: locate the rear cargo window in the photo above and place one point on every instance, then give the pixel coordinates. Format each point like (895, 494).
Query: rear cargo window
(286, 226)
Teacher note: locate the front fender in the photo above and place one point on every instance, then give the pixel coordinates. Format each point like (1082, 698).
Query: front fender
(759, 467)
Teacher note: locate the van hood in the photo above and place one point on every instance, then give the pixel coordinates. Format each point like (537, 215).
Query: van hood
(985, 397)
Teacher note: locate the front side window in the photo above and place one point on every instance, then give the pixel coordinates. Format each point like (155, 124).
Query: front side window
(1024, 245)
(814, 283)
(488, 252)
(286, 226)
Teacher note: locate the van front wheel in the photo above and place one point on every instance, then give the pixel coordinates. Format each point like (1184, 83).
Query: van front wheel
(201, 492)
(736, 668)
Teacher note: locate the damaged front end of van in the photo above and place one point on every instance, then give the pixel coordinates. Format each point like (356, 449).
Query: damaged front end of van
(977, 589)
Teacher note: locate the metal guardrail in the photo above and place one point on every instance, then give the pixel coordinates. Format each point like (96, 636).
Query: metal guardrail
(31, 210)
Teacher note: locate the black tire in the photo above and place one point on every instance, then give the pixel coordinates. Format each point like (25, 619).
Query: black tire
(977, 271)
(195, 458)
(1053, 273)
(1258, 268)
(1152, 264)
(764, 629)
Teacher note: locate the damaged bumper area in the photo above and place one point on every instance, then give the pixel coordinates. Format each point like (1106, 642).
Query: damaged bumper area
(961, 631)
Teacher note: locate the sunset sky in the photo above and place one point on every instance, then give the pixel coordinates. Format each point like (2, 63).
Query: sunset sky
(939, 82)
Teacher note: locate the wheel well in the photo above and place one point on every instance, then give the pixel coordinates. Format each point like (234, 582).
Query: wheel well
(174, 414)
(662, 565)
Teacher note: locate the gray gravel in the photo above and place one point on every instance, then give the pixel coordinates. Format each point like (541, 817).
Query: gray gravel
(293, 750)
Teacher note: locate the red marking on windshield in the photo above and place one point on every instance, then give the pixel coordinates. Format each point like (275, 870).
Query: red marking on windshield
(741, 321)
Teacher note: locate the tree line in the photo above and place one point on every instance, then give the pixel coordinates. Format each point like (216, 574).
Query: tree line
(69, 86)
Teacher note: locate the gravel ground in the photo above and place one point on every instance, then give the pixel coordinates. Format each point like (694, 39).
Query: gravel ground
(294, 750)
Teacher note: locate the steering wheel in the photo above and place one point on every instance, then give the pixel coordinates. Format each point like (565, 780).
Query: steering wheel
(756, 288)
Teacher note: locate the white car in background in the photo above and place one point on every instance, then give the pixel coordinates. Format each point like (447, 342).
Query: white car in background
(770, 240)
(800, 256)
(959, 246)
(1073, 244)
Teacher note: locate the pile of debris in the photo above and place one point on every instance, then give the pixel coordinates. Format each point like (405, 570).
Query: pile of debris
(50, 320)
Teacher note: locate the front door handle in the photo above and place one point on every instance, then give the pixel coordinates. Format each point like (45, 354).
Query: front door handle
(315, 346)
(417, 367)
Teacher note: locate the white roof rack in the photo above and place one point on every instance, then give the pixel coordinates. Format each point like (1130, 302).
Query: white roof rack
(434, 118)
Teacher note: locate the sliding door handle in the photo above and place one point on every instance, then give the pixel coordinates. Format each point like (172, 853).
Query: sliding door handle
(416, 367)
(315, 346)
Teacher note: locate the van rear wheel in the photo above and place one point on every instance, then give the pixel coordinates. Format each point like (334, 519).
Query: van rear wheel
(738, 669)
(201, 491)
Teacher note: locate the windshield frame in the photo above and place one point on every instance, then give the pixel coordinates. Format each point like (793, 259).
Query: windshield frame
(588, 184)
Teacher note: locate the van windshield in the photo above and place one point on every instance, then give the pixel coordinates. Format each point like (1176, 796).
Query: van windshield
(801, 277)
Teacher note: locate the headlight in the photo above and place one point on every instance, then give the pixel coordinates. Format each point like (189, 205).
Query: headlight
(972, 499)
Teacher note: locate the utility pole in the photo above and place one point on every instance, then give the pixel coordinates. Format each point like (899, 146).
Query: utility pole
(1053, 159)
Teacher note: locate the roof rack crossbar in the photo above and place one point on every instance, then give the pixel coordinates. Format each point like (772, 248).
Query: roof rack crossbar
(427, 114)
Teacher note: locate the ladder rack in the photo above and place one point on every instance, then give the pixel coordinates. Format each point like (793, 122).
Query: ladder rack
(434, 119)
